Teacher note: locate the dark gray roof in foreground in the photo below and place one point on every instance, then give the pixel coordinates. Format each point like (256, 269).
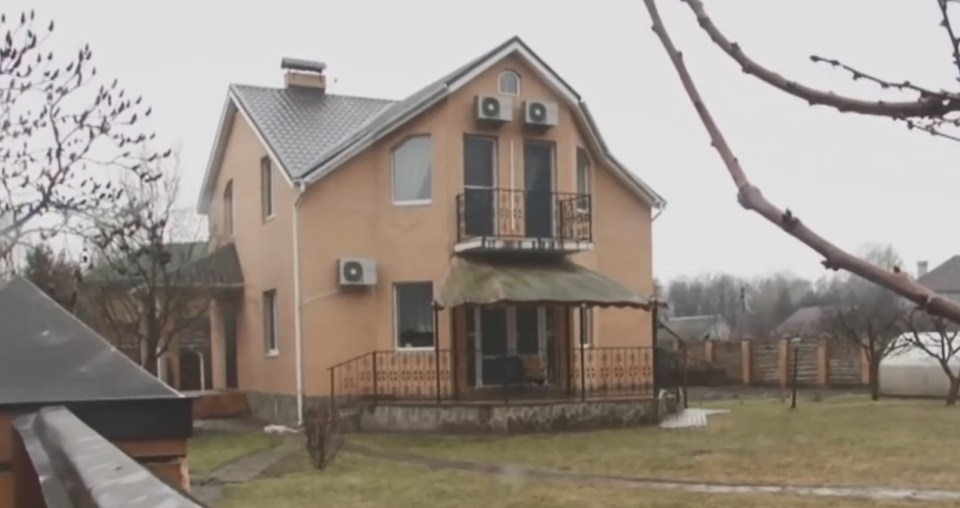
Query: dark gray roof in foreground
(48, 356)
(301, 124)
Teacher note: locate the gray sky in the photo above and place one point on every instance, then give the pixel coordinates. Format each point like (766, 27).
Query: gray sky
(854, 179)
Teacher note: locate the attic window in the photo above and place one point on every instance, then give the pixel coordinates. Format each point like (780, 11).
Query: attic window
(509, 83)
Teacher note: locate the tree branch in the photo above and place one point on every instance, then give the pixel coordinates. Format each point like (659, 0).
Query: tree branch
(924, 106)
(752, 199)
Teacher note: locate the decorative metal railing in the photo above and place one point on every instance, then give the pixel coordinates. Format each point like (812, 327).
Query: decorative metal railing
(521, 214)
(438, 376)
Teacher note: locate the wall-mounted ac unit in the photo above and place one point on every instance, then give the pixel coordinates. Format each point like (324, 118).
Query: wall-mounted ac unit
(357, 271)
(492, 108)
(540, 113)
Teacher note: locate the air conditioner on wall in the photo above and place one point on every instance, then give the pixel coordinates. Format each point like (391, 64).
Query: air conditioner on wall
(540, 113)
(493, 108)
(355, 271)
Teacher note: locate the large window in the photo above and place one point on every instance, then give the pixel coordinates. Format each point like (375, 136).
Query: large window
(228, 209)
(411, 168)
(509, 83)
(413, 314)
(266, 187)
(270, 332)
(583, 179)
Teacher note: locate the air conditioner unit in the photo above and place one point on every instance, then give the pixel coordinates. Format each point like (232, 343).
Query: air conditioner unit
(540, 113)
(492, 108)
(357, 271)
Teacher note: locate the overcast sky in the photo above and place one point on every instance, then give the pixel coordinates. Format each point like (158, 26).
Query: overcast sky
(854, 179)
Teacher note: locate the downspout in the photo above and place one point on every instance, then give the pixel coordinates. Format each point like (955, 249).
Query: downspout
(299, 186)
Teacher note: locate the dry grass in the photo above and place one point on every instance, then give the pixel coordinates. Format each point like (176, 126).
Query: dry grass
(367, 483)
(849, 441)
(211, 449)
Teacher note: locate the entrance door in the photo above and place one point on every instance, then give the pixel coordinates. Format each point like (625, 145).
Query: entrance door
(479, 168)
(538, 189)
(501, 336)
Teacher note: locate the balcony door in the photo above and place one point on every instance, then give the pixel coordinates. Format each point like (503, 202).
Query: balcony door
(500, 339)
(538, 164)
(479, 182)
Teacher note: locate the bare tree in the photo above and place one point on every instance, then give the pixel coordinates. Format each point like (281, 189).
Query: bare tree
(939, 340)
(55, 274)
(62, 135)
(931, 111)
(868, 316)
(140, 285)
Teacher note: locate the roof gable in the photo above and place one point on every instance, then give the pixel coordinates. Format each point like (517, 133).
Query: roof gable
(48, 356)
(335, 133)
(945, 278)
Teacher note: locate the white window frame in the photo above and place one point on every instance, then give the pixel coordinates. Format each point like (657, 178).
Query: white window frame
(393, 172)
(268, 209)
(515, 75)
(396, 330)
(226, 215)
(271, 343)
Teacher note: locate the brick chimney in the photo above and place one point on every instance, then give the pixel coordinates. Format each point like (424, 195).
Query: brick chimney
(921, 268)
(303, 73)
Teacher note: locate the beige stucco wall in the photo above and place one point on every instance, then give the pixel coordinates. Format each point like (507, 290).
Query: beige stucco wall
(350, 213)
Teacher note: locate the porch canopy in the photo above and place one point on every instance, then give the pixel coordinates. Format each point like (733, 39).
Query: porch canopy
(535, 281)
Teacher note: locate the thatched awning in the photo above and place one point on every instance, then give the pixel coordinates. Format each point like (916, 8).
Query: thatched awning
(533, 281)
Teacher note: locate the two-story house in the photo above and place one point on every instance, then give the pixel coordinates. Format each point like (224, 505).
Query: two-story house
(442, 246)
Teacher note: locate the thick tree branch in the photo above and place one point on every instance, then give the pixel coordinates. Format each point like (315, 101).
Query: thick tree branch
(752, 199)
(924, 106)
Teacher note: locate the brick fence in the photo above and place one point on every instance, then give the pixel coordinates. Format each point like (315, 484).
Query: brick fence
(770, 363)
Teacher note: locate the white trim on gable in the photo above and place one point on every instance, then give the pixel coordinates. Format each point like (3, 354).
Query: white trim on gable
(532, 60)
(230, 109)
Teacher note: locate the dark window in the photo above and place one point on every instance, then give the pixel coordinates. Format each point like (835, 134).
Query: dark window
(266, 187)
(528, 330)
(228, 209)
(413, 314)
(479, 161)
(270, 331)
(583, 179)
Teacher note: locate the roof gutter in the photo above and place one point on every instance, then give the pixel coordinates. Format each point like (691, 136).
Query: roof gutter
(300, 187)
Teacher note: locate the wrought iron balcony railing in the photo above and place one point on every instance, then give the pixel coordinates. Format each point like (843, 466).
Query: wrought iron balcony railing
(522, 214)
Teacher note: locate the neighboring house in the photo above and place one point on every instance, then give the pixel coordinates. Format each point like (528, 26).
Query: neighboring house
(944, 279)
(805, 322)
(698, 328)
(452, 232)
(112, 309)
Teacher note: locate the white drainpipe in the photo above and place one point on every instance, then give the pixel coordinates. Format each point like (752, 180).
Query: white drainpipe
(297, 314)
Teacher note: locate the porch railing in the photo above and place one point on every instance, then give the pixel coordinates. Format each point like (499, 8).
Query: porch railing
(517, 213)
(442, 376)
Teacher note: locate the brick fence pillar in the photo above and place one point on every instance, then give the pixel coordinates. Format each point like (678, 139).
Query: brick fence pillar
(823, 364)
(746, 362)
(783, 362)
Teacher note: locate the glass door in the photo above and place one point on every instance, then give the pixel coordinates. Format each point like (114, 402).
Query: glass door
(538, 189)
(479, 181)
(500, 339)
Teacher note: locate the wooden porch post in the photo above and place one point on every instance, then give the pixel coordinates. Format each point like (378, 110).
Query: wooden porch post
(568, 350)
(654, 311)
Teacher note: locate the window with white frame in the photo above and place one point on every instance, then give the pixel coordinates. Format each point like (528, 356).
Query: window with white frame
(413, 314)
(412, 166)
(583, 180)
(270, 331)
(509, 83)
(266, 187)
(228, 209)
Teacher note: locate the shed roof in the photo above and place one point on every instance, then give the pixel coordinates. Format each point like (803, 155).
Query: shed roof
(48, 355)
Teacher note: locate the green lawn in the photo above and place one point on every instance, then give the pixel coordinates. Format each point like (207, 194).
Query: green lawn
(367, 483)
(843, 441)
(212, 449)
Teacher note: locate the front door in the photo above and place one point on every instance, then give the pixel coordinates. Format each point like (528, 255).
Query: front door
(500, 339)
(479, 196)
(538, 189)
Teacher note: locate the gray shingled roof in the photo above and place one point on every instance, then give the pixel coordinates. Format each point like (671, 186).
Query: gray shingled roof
(694, 328)
(805, 321)
(945, 278)
(48, 356)
(302, 124)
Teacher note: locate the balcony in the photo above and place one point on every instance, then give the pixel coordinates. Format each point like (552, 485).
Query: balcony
(505, 220)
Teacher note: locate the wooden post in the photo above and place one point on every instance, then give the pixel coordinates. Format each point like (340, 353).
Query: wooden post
(436, 347)
(746, 362)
